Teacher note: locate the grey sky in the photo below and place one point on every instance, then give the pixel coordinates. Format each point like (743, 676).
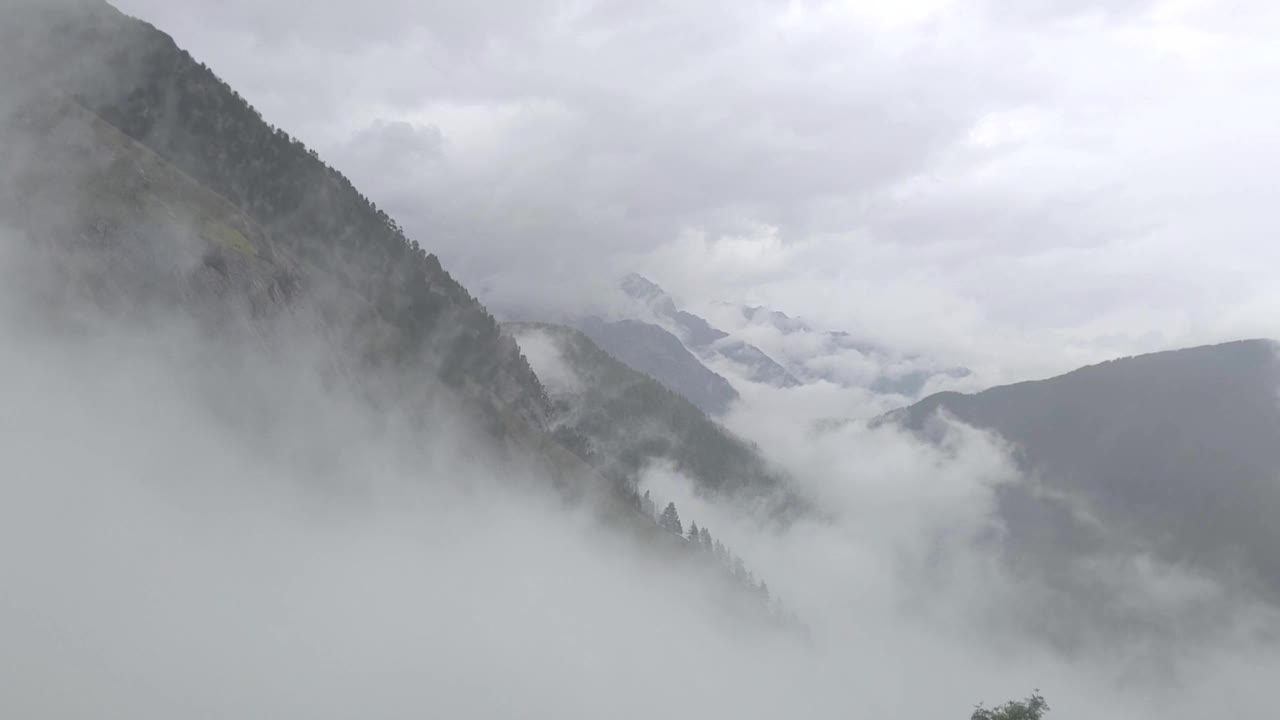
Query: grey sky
(1020, 186)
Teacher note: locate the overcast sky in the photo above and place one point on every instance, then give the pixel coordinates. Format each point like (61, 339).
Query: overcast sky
(1022, 186)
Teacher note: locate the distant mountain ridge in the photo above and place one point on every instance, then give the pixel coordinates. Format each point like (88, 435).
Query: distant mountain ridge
(1177, 450)
(795, 353)
(704, 339)
(879, 368)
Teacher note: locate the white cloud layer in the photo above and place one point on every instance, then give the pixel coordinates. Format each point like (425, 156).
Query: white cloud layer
(190, 528)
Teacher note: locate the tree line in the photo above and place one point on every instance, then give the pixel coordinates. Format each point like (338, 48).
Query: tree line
(704, 542)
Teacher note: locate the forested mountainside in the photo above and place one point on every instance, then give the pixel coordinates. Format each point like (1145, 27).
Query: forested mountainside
(1177, 451)
(622, 420)
(139, 81)
(128, 228)
(147, 185)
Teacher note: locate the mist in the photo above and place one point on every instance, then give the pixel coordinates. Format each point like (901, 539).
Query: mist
(212, 505)
(170, 550)
(162, 558)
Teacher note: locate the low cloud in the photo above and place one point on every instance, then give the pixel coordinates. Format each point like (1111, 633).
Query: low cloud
(191, 524)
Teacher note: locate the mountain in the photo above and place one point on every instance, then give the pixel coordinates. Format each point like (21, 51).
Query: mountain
(656, 352)
(148, 118)
(704, 339)
(148, 187)
(1177, 452)
(622, 420)
(759, 367)
(143, 193)
(838, 357)
(768, 347)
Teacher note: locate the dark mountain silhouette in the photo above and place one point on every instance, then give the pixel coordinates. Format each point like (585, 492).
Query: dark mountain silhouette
(1178, 451)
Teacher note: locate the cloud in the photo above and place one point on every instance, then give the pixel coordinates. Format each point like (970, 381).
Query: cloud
(192, 527)
(547, 360)
(189, 523)
(902, 564)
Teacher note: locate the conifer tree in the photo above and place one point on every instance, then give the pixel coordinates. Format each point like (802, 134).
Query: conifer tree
(671, 520)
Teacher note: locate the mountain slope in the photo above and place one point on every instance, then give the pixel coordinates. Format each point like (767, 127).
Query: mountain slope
(622, 420)
(142, 202)
(135, 78)
(139, 230)
(1179, 450)
(657, 353)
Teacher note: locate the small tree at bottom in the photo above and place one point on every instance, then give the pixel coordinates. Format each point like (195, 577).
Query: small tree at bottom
(1033, 708)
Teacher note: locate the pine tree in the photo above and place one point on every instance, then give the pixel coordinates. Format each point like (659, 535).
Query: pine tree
(693, 531)
(705, 538)
(671, 520)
